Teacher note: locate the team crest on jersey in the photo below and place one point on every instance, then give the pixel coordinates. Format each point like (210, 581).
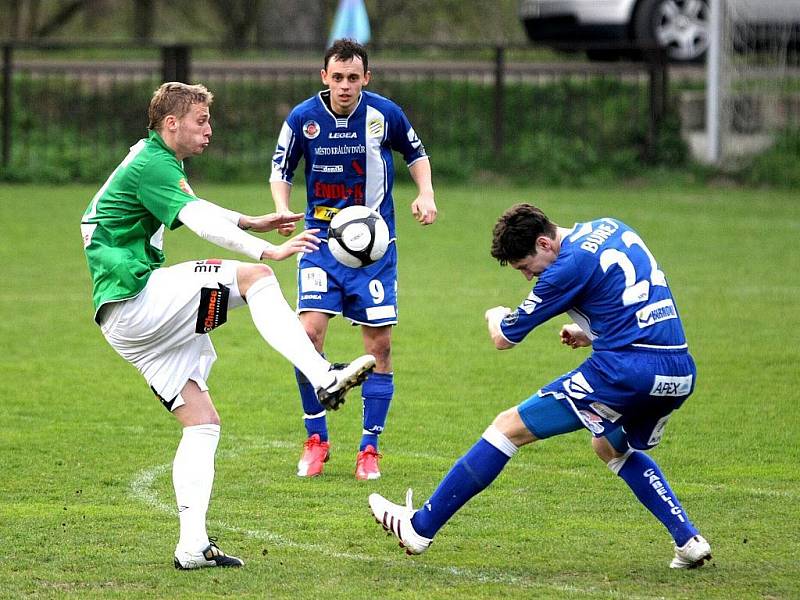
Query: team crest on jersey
(375, 127)
(311, 129)
(184, 185)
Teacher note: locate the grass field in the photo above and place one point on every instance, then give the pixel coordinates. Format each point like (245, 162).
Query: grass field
(87, 507)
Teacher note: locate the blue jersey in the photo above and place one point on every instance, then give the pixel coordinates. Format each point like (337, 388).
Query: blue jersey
(607, 280)
(348, 160)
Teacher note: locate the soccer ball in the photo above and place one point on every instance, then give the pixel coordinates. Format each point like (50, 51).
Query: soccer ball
(358, 236)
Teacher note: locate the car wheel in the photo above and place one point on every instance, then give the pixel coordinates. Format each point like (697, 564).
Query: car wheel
(680, 26)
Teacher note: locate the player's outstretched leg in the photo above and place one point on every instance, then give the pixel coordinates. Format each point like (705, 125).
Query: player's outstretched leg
(470, 475)
(279, 326)
(281, 329)
(649, 485)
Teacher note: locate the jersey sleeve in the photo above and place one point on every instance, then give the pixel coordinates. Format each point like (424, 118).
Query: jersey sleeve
(288, 150)
(555, 293)
(403, 138)
(164, 191)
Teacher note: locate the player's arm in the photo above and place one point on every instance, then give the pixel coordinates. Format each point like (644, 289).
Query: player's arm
(547, 299)
(423, 208)
(494, 316)
(281, 192)
(225, 228)
(284, 162)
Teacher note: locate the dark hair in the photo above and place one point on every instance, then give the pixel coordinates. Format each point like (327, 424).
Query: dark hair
(346, 49)
(175, 98)
(517, 230)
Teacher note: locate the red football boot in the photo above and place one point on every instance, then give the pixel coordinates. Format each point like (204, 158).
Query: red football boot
(315, 454)
(367, 464)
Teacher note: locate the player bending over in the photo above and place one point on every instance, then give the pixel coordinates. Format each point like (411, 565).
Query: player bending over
(158, 318)
(603, 276)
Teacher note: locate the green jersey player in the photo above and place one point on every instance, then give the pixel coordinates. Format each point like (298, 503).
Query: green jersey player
(158, 318)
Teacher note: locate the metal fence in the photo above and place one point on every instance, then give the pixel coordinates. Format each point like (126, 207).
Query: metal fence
(486, 109)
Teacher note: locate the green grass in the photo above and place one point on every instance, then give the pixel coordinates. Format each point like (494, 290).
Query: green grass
(87, 505)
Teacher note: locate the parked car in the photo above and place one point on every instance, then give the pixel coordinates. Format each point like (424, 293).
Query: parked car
(680, 26)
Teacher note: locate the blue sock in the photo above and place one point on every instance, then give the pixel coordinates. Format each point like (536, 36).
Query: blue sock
(313, 411)
(643, 476)
(471, 474)
(377, 392)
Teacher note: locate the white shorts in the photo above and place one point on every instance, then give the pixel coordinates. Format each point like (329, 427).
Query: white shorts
(160, 331)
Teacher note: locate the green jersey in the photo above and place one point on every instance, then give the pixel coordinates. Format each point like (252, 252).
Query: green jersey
(123, 226)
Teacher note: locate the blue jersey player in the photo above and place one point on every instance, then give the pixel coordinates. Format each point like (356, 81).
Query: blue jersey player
(602, 274)
(346, 136)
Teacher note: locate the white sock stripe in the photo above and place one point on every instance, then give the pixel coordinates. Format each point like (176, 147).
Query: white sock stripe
(316, 416)
(497, 439)
(616, 464)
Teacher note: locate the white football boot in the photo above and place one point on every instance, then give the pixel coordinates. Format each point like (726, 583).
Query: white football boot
(692, 554)
(210, 556)
(396, 519)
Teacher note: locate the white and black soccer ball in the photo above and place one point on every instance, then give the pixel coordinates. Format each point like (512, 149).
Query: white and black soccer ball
(358, 236)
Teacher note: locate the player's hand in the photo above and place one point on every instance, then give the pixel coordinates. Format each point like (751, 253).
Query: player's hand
(284, 222)
(574, 337)
(304, 242)
(288, 227)
(424, 209)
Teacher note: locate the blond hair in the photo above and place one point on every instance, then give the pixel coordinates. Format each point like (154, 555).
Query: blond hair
(175, 98)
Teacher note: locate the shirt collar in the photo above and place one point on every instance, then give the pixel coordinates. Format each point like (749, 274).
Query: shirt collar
(155, 137)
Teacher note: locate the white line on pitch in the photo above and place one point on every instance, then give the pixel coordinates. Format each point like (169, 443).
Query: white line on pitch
(141, 489)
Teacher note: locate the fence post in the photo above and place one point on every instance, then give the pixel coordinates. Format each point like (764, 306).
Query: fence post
(499, 99)
(7, 103)
(658, 71)
(175, 63)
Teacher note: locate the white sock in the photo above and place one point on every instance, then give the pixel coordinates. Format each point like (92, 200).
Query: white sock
(279, 326)
(193, 477)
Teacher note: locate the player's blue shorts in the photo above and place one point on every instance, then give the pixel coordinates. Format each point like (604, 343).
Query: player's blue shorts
(629, 391)
(366, 296)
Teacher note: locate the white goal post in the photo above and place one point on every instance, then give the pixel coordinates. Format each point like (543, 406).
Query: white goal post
(752, 76)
